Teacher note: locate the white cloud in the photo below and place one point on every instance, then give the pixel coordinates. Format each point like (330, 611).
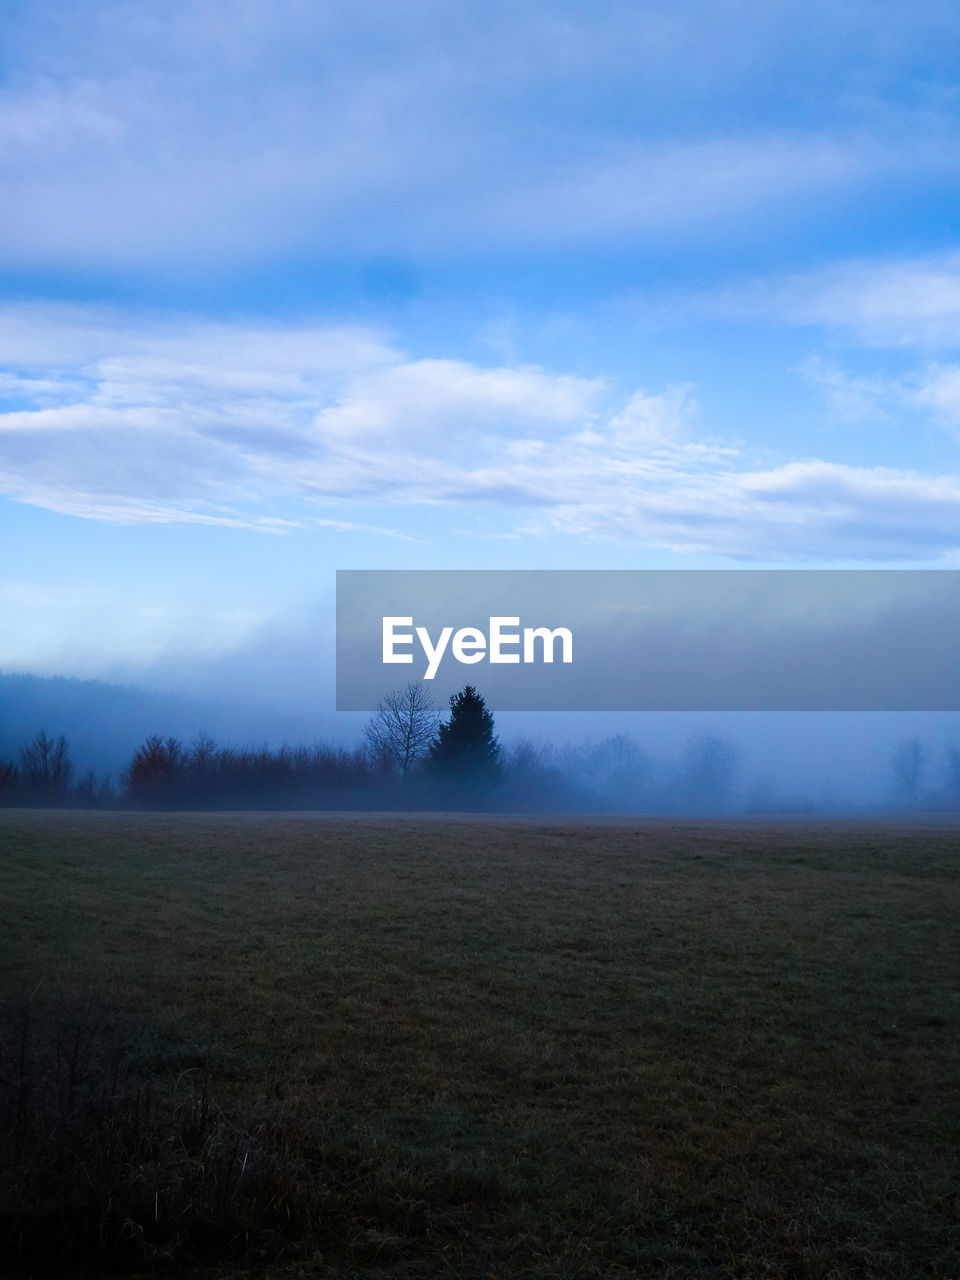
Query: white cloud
(432, 396)
(55, 118)
(938, 391)
(932, 390)
(667, 188)
(811, 509)
(911, 302)
(852, 397)
(217, 132)
(227, 425)
(908, 307)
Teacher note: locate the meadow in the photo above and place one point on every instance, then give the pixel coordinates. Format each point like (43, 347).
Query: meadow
(328, 1046)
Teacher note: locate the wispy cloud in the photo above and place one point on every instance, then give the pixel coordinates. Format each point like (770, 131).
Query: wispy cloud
(854, 397)
(930, 390)
(666, 189)
(892, 326)
(909, 303)
(225, 133)
(229, 425)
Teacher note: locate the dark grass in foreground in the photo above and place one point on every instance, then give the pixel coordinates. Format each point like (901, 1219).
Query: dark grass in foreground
(338, 1046)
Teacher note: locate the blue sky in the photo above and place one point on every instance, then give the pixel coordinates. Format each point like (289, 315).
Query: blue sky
(288, 287)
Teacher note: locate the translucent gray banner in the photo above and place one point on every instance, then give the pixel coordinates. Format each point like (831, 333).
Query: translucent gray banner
(654, 640)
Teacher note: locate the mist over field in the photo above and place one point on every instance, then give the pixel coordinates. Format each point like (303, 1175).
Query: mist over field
(805, 761)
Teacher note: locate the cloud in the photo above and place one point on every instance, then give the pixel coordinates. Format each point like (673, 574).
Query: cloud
(817, 510)
(938, 391)
(908, 308)
(266, 428)
(430, 396)
(222, 133)
(931, 391)
(852, 397)
(908, 303)
(667, 188)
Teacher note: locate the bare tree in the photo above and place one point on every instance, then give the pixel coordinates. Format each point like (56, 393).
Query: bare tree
(400, 731)
(909, 762)
(94, 790)
(201, 766)
(45, 769)
(618, 769)
(707, 772)
(156, 772)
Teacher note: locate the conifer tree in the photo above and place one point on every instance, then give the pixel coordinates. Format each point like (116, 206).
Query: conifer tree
(465, 749)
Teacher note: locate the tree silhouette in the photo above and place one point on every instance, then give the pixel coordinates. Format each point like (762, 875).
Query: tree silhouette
(465, 750)
(618, 770)
(707, 772)
(9, 778)
(93, 791)
(156, 772)
(201, 768)
(402, 728)
(45, 769)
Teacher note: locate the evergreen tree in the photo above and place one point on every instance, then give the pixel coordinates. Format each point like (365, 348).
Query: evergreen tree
(465, 750)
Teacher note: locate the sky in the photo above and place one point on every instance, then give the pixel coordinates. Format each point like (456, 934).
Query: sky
(287, 288)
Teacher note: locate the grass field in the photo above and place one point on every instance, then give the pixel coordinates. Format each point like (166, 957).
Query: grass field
(335, 1046)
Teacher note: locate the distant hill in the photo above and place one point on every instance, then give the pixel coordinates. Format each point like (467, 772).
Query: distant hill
(105, 723)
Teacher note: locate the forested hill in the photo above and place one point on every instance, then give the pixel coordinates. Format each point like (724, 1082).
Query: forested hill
(105, 723)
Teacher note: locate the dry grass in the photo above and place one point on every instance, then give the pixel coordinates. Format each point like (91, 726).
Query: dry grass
(338, 1046)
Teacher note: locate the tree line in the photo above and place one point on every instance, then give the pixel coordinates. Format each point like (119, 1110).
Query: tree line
(409, 757)
(412, 758)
